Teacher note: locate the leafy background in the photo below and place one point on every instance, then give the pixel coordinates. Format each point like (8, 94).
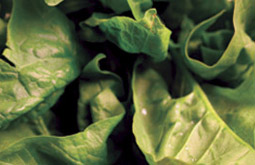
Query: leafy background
(127, 82)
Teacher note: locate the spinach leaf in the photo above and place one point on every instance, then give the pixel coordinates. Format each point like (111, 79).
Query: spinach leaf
(46, 57)
(87, 147)
(148, 35)
(93, 82)
(233, 64)
(118, 6)
(101, 82)
(139, 7)
(182, 130)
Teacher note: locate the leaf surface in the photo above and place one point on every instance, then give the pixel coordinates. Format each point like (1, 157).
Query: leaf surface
(148, 35)
(238, 56)
(46, 57)
(87, 147)
(185, 129)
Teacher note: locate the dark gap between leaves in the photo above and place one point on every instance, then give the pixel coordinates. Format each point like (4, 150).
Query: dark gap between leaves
(66, 110)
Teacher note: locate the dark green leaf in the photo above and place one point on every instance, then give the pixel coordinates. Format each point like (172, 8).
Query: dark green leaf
(237, 57)
(2, 33)
(118, 6)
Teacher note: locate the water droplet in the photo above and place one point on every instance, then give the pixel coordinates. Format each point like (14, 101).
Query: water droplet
(144, 111)
(186, 148)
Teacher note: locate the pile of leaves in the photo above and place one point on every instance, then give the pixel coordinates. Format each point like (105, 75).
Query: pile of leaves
(127, 82)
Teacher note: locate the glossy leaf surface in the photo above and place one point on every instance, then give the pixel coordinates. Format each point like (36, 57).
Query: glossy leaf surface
(185, 129)
(147, 35)
(45, 55)
(87, 147)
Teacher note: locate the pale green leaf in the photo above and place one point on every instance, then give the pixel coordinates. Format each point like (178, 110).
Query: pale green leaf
(184, 129)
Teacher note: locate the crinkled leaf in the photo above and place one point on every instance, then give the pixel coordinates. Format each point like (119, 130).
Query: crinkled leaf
(87, 147)
(185, 129)
(93, 82)
(236, 107)
(217, 40)
(139, 7)
(239, 54)
(203, 10)
(147, 35)
(20, 130)
(46, 55)
(91, 34)
(195, 10)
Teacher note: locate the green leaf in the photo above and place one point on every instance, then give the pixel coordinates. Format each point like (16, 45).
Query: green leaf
(91, 35)
(20, 130)
(147, 35)
(237, 57)
(43, 48)
(88, 32)
(118, 6)
(139, 7)
(2, 33)
(210, 56)
(195, 10)
(218, 40)
(93, 82)
(186, 26)
(185, 129)
(53, 2)
(87, 147)
(236, 107)
(96, 19)
(203, 10)
(70, 6)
